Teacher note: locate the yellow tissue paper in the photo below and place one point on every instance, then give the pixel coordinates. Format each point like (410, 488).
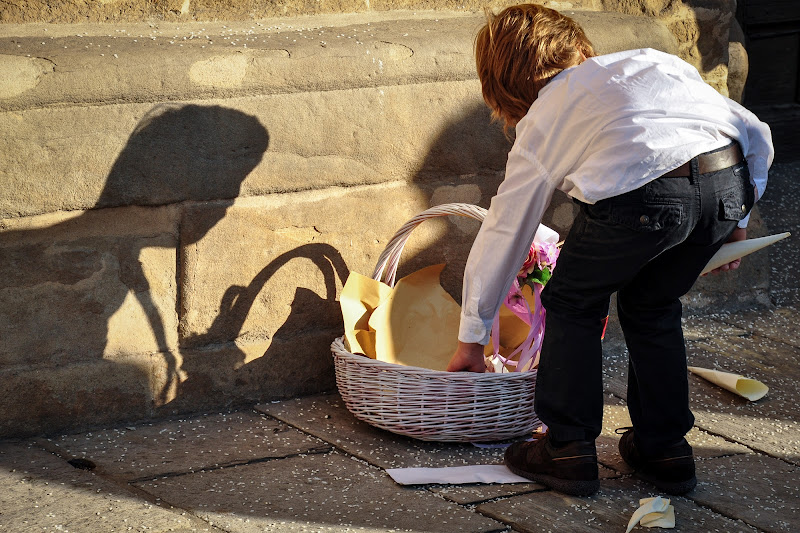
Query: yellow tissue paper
(653, 512)
(413, 324)
(749, 388)
(360, 296)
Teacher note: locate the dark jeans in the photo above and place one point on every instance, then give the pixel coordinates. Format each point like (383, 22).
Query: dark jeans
(649, 246)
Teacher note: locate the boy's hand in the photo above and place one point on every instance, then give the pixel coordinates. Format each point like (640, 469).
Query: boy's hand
(468, 358)
(739, 234)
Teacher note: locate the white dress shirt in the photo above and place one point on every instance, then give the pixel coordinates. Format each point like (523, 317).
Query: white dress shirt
(600, 129)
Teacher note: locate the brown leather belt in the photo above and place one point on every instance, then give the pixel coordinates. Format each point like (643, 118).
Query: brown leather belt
(710, 162)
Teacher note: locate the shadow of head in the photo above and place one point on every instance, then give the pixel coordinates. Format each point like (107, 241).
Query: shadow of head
(180, 153)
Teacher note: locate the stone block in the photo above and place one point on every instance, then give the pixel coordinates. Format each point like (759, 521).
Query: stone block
(42, 492)
(273, 266)
(330, 492)
(88, 286)
(37, 400)
(90, 157)
(244, 147)
(148, 451)
(769, 501)
(610, 509)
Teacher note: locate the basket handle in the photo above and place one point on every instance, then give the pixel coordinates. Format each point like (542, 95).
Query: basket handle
(390, 257)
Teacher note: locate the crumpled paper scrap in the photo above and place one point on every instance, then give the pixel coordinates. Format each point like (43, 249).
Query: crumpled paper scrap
(749, 388)
(653, 512)
(735, 250)
(413, 324)
(455, 475)
(359, 298)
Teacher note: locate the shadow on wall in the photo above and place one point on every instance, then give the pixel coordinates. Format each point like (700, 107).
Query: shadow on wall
(102, 285)
(297, 360)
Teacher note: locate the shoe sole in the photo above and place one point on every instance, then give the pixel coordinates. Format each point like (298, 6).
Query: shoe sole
(566, 486)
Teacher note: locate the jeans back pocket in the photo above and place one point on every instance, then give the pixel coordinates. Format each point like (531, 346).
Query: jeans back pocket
(647, 217)
(736, 203)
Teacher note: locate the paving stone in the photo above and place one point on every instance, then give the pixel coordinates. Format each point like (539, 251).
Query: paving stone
(170, 447)
(615, 415)
(779, 208)
(722, 342)
(781, 324)
(697, 328)
(326, 417)
(762, 491)
(609, 509)
(329, 492)
(474, 494)
(41, 492)
(771, 424)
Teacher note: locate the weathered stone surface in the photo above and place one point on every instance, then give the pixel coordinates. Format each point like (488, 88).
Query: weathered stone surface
(90, 157)
(738, 63)
(20, 74)
(779, 208)
(324, 492)
(761, 491)
(299, 252)
(326, 417)
(608, 510)
(781, 324)
(47, 399)
(233, 373)
(769, 425)
(179, 154)
(207, 442)
(41, 492)
(615, 415)
(18, 11)
(87, 287)
(702, 30)
(193, 61)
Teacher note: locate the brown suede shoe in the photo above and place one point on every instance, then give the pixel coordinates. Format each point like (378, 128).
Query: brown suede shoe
(571, 468)
(671, 470)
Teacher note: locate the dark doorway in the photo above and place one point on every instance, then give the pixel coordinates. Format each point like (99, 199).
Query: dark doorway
(772, 32)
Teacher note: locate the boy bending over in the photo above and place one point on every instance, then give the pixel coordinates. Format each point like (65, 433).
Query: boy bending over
(665, 170)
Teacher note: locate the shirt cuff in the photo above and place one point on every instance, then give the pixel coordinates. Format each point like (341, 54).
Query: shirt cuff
(743, 223)
(474, 329)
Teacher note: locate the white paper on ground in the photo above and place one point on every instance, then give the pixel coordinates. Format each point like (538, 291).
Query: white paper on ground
(455, 475)
(653, 512)
(749, 388)
(738, 249)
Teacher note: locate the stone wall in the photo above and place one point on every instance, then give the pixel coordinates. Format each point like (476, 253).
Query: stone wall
(704, 29)
(182, 201)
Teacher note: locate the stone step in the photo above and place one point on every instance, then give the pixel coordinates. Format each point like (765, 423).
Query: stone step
(49, 65)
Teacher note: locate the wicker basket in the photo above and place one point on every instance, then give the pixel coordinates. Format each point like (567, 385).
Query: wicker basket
(428, 404)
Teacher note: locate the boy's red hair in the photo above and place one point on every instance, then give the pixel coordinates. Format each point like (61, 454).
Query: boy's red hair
(519, 50)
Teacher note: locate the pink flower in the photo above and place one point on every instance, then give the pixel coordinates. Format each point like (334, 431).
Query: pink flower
(547, 254)
(530, 263)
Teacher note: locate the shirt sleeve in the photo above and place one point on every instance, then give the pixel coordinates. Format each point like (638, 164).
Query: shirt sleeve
(757, 147)
(502, 243)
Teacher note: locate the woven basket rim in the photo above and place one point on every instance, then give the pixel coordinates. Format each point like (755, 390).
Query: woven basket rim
(338, 348)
